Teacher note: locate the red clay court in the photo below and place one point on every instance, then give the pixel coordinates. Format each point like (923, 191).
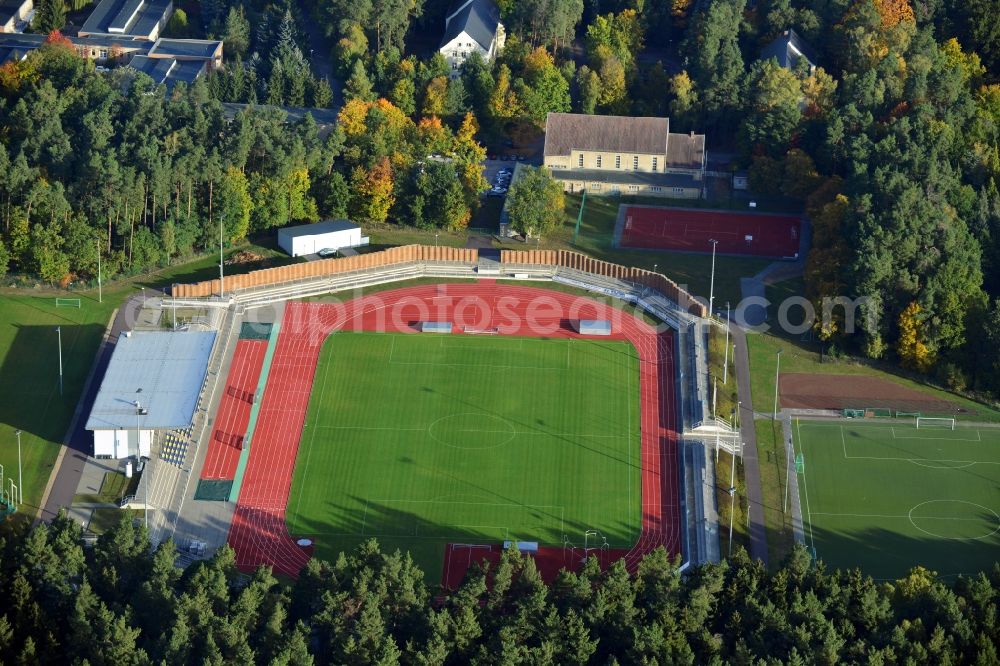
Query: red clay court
(691, 230)
(259, 533)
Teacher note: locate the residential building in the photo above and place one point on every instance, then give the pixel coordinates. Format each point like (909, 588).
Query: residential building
(471, 26)
(788, 49)
(14, 14)
(142, 19)
(624, 155)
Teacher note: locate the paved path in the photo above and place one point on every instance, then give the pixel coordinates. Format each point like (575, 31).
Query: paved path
(79, 443)
(751, 465)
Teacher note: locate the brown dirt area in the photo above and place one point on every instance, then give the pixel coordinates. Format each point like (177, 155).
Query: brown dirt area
(807, 391)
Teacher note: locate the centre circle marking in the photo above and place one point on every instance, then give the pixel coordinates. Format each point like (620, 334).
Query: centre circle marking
(996, 519)
(457, 430)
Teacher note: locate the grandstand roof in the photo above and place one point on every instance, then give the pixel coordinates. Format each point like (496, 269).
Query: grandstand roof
(163, 371)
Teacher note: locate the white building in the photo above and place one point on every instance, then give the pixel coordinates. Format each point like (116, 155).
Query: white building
(152, 383)
(311, 238)
(471, 25)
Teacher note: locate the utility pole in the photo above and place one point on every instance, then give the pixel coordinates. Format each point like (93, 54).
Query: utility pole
(777, 367)
(725, 364)
(222, 286)
(20, 481)
(100, 296)
(711, 286)
(59, 333)
(732, 501)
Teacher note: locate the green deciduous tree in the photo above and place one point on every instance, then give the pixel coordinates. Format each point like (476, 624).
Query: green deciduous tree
(535, 202)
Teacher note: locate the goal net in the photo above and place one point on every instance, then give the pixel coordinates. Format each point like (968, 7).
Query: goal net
(480, 331)
(67, 302)
(935, 422)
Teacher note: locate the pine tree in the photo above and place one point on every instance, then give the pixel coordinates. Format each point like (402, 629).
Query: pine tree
(358, 86)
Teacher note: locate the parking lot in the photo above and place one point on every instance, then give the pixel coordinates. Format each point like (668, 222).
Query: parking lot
(492, 172)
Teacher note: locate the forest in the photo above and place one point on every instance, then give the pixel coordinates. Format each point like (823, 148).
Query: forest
(891, 144)
(114, 603)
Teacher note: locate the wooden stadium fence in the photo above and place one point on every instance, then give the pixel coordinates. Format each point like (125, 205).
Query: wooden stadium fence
(581, 262)
(323, 267)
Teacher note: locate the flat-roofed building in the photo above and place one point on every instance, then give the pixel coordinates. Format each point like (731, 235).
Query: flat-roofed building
(168, 71)
(136, 18)
(152, 383)
(208, 51)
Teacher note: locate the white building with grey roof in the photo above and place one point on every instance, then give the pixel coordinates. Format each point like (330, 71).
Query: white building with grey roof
(152, 383)
(471, 26)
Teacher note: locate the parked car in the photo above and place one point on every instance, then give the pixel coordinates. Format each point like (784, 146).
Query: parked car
(520, 158)
(497, 192)
(328, 252)
(505, 171)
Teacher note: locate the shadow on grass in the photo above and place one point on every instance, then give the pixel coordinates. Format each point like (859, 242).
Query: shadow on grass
(30, 376)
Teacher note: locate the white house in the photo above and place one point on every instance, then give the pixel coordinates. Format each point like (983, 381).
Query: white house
(471, 26)
(311, 238)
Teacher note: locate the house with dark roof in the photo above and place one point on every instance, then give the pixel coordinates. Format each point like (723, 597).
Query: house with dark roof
(624, 155)
(788, 49)
(14, 14)
(471, 26)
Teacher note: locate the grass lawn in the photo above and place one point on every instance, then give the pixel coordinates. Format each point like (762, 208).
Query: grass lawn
(802, 357)
(771, 459)
(29, 363)
(102, 520)
(422, 440)
(888, 497)
(113, 488)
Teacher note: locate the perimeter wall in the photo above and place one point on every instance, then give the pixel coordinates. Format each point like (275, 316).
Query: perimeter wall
(322, 267)
(409, 254)
(581, 262)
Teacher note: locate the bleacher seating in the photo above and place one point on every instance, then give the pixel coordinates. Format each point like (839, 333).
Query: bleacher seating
(175, 446)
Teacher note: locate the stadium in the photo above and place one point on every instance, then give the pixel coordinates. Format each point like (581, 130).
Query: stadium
(447, 404)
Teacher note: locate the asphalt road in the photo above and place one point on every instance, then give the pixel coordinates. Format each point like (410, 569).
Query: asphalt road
(80, 443)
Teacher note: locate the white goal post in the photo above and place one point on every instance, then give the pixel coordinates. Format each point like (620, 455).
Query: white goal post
(936, 422)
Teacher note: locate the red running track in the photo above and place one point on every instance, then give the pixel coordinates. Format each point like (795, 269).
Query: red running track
(233, 415)
(657, 228)
(259, 534)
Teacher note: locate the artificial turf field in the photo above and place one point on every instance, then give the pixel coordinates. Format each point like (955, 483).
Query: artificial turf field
(422, 440)
(887, 497)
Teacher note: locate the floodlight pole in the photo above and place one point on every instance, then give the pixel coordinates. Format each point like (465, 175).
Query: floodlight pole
(20, 480)
(138, 455)
(100, 296)
(59, 334)
(711, 286)
(732, 501)
(725, 364)
(777, 367)
(788, 468)
(222, 286)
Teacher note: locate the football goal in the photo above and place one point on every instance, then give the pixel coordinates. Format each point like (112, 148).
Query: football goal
(947, 423)
(67, 302)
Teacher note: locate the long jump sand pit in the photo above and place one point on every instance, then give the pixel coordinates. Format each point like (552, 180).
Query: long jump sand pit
(809, 391)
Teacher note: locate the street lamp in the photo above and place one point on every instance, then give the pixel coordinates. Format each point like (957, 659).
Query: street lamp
(711, 286)
(654, 267)
(732, 501)
(436, 239)
(725, 364)
(20, 481)
(777, 367)
(139, 411)
(59, 334)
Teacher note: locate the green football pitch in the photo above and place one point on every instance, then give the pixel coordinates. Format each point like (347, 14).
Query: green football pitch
(421, 440)
(888, 497)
